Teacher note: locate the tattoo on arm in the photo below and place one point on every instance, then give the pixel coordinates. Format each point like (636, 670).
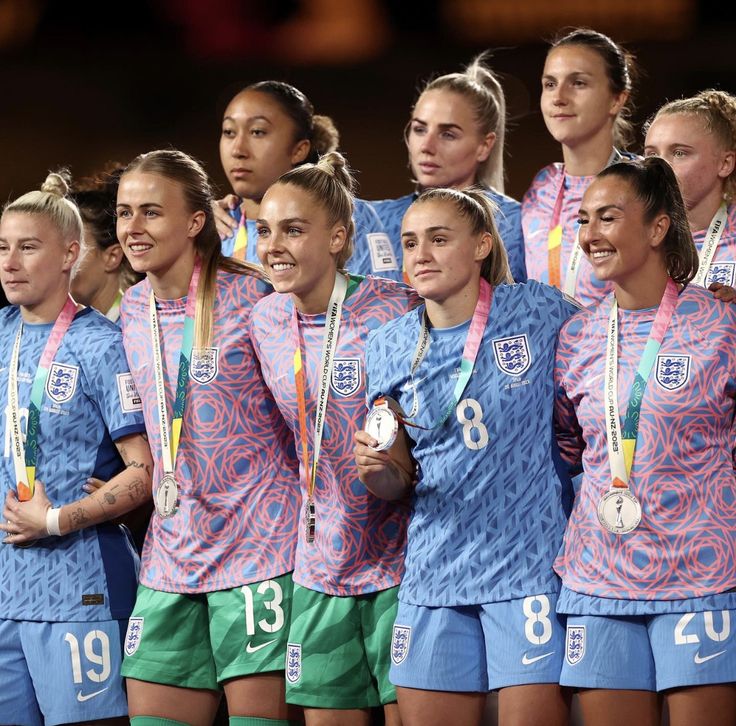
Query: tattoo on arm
(136, 490)
(79, 518)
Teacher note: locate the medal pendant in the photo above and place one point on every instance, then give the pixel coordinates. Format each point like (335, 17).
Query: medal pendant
(382, 424)
(310, 521)
(166, 497)
(619, 511)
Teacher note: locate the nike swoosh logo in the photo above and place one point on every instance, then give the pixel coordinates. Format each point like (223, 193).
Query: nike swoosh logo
(698, 659)
(253, 648)
(82, 698)
(528, 661)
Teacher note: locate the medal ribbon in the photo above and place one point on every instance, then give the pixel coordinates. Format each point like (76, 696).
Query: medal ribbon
(25, 457)
(710, 244)
(329, 344)
(621, 446)
(467, 364)
(240, 248)
(113, 314)
(170, 438)
(554, 240)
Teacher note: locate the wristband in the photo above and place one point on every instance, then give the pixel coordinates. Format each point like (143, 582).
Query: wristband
(52, 521)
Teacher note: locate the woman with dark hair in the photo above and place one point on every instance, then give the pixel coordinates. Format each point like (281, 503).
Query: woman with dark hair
(214, 602)
(269, 128)
(646, 389)
(466, 382)
(102, 273)
(586, 99)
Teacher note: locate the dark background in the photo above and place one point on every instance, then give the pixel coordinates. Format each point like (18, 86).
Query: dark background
(83, 83)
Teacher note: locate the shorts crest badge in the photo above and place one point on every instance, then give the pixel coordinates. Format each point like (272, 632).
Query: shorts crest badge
(575, 644)
(133, 635)
(61, 382)
(512, 354)
(346, 376)
(293, 662)
(400, 644)
(203, 366)
(722, 272)
(672, 371)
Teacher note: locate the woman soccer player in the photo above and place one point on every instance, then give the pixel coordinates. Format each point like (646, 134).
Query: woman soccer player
(269, 128)
(586, 92)
(467, 381)
(455, 139)
(310, 338)
(646, 384)
(214, 602)
(71, 414)
(697, 136)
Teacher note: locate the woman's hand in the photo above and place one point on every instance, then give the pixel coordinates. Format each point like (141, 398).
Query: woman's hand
(25, 522)
(722, 292)
(225, 224)
(385, 473)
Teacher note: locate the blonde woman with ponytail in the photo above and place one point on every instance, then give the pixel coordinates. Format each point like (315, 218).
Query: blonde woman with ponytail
(213, 605)
(697, 136)
(455, 139)
(467, 380)
(72, 418)
(310, 338)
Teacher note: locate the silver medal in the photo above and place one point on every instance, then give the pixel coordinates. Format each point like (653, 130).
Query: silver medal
(619, 511)
(310, 520)
(382, 424)
(166, 497)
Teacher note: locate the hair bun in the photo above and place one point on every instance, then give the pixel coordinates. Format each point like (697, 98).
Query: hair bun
(57, 182)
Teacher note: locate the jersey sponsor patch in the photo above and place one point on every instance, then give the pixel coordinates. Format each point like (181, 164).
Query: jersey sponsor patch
(293, 662)
(382, 253)
(346, 376)
(723, 272)
(673, 371)
(575, 644)
(130, 399)
(400, 643)
(512, 354)
(61, 382)
(203, 367)
(133, 635)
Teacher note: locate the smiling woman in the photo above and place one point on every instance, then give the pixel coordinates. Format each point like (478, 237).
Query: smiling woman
(647, 565)
(225, 479)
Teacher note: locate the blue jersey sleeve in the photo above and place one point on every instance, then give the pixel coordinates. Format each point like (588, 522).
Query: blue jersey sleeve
(374, 253)
(110, 384)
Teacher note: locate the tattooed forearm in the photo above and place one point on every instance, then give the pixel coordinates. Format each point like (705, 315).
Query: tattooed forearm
(136, 490)
(79, 518)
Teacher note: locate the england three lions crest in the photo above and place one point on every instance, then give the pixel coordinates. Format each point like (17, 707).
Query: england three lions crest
(722, 272)
(293, 662)
(512, 354)
(133, 635)
(346, 376)
(672, 371)
(203, 366)
(400, 643)
(61, 382)
(575, 644)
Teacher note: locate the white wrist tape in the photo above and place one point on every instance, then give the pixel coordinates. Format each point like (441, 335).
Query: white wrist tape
(52, 521)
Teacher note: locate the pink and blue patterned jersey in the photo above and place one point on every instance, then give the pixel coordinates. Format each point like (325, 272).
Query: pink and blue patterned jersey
(487, 516)
(89, 403)
(683, 471)
(359, 540)
(723, 266)
(537, 211)
(236, 466)
(508, 221)
(373, 252)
